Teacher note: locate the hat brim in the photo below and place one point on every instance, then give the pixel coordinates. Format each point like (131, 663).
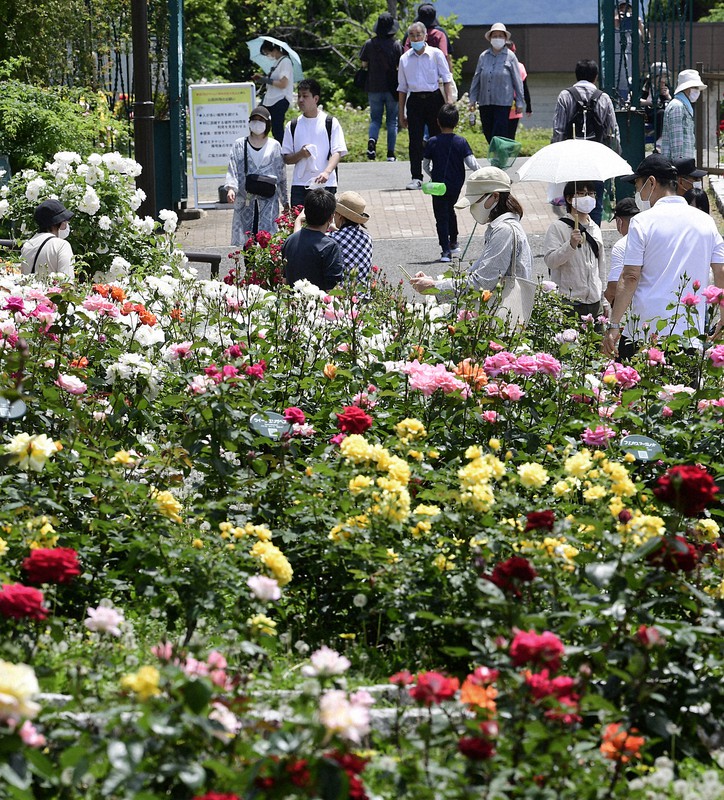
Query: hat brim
(690, 85)
(630, 178)
(507, 33)
(468, 200)
(352, 216)
(64, 216)
(697, 173)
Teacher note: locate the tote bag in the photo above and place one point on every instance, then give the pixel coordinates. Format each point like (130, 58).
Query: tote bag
(518, 295)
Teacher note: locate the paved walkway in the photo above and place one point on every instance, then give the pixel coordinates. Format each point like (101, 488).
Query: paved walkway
(401, 223)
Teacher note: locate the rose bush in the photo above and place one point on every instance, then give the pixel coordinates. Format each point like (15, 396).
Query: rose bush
(437, 498)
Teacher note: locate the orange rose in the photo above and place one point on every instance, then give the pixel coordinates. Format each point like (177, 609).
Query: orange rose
(330, 371)
(619, 745)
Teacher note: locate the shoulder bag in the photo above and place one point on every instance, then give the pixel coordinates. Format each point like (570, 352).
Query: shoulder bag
(261, 185)
(518, 295)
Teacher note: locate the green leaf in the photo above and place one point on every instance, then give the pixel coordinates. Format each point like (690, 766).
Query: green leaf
(196, 695)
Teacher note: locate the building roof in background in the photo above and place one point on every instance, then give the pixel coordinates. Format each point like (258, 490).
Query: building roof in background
(520, 12)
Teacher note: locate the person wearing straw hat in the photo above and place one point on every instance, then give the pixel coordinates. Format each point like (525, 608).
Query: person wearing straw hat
(351, 235)
(48, 251)
(488, 198)
(496, 84)
(678, 139)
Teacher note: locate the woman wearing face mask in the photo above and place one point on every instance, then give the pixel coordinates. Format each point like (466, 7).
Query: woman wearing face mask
(488, 198)
(256, 154)
(279, 86)
(574, 251)
(678, 137)
(48, 251)
(496, 83)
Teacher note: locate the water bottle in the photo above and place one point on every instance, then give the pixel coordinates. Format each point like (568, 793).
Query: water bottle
(434, 188)
(472, 119)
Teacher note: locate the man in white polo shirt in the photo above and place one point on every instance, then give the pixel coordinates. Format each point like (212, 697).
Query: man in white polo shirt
(421, 70)
(670, 246)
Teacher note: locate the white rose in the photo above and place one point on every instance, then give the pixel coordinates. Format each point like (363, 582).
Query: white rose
(4, 208)
(90, 202)
(104, 223)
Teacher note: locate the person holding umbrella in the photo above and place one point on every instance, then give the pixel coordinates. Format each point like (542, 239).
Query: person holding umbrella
(574, 252)
(279, 81)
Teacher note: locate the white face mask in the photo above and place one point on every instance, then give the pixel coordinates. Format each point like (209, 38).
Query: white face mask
(694, 95)
(257, 127)
(497, 43)
(64, 233)
(479, 212)
(584, 204)
(643, 205)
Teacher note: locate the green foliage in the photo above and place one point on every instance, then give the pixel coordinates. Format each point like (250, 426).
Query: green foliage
(35, 123)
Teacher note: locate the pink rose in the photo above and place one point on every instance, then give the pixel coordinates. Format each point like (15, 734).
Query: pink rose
(294, 415)
(690, 299)
(548, 365)
(71, 384)
(714, 295)
(599, 437)
(654, 356)
(716, 354)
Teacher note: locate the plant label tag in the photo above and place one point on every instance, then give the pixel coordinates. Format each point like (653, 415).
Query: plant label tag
(269, 424)
(13, 410)
(642, 448)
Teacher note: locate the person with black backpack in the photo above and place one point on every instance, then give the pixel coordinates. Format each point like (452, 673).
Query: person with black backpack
(583, 111)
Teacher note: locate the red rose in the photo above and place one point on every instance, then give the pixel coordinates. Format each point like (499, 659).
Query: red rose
(263, 238)
(403, 678)
(507, 574)
(688, 488)
(433, 687)
(217, 796)
(650, 637)
(294, 415)
(299, 773)
(540, 520)
(476, 748)
(57, 565)
(675, 554)
(353, 420)
(21, 602)
(529, 647)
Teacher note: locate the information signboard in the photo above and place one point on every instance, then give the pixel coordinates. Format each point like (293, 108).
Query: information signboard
(219, 116)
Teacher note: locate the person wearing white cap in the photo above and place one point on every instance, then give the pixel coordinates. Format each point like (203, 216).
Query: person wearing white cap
(488, 198)
(496, 83)
(677, 138)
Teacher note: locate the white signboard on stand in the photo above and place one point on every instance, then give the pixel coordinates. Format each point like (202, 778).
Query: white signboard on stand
(219, 114)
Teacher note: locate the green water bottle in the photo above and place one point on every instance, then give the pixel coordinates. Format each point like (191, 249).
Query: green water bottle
(438, 189)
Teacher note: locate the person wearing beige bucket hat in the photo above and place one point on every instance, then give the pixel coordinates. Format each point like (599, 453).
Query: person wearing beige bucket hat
(496, 83)
(488, 198)
(351, 235)
(678, 136)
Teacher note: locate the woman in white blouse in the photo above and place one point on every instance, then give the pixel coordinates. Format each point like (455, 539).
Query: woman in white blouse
(256, 154)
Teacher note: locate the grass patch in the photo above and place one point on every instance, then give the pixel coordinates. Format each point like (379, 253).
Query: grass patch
(355, 124)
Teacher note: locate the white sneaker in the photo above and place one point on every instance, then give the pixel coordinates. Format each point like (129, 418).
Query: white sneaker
(415, 183)
(455, 251)
(445, 258)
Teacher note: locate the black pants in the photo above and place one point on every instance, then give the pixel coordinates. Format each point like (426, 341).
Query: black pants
(300, 192)
(422, 108)
(278, 112)
(443, 207)
(495, 121)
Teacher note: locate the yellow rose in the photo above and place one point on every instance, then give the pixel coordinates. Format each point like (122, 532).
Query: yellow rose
(330, 371)
(18, 685)
(144, 683)
(533, 475)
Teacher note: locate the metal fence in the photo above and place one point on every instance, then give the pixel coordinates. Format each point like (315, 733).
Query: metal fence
(709, 121)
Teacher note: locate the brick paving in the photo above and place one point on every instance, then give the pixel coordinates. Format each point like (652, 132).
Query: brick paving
(395, 213)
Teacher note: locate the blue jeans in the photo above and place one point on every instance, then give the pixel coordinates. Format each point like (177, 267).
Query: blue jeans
(379, 102)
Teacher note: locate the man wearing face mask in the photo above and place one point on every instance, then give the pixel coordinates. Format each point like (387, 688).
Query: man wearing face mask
(574, 251)
(48, 251)
(488, 198)
(421, 70)
(669, 248)
(677, 138)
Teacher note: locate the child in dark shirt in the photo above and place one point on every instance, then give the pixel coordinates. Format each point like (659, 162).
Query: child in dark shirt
(309, 253)
(449, 154)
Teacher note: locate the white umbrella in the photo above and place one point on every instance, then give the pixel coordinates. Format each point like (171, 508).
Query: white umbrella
(574, 160)
(267, 63)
